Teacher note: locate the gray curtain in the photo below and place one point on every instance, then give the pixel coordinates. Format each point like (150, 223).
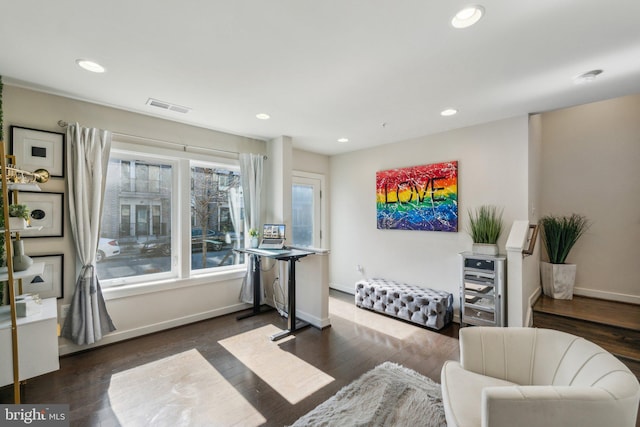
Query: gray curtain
(251, 170)
(87, 161)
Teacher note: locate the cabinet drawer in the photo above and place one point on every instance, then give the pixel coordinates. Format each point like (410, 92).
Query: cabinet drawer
(479, 264)
(482, 301)
(474, 281)
(471, 313)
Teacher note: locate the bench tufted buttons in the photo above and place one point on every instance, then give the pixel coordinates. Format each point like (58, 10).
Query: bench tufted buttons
(423, 306)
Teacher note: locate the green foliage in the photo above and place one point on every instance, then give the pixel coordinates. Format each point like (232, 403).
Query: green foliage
(485, 224)
(254, 233)
(560, 233)
(19, 211)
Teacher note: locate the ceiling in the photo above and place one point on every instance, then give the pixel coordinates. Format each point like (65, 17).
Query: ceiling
(372, 71)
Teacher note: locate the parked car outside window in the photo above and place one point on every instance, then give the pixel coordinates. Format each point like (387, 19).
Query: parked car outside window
(214, 240)
(161, 246)
(107, 248)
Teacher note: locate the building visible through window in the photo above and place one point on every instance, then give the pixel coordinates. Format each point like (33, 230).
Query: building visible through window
(139, 216)
(213, 228)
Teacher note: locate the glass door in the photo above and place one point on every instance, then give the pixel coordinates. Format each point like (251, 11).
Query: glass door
(305, 204)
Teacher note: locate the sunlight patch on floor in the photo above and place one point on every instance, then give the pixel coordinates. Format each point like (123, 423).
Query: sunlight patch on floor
(379, 322)
(180, 390)
(293, 378)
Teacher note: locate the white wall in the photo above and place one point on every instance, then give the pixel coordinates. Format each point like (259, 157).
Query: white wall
(312, 272)
(590, 164)
(310, 162)
(493, 169)
(181, 303)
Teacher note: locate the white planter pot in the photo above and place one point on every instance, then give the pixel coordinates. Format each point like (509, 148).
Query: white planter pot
(21, 262)
(484, 249)
(17, 223)
(558, 279)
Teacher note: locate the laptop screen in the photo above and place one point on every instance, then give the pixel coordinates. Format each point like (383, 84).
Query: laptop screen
(273, 231)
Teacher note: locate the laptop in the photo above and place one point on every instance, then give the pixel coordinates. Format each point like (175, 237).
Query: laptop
(272, 236)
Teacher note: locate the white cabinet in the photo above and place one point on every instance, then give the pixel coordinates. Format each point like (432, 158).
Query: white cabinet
(482, 290)
(37, 341)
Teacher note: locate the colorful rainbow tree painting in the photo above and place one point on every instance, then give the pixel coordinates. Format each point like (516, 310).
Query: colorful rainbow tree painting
(418, 198)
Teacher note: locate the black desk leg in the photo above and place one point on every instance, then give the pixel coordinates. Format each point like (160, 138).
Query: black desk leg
(292, 323)
(257, 290)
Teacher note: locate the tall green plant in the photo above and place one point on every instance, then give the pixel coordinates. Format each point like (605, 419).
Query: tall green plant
(485, 224)
(560, 233)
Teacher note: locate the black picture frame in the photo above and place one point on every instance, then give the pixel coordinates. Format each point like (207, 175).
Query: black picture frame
(46, 210)
(50, 283)
(38, 149)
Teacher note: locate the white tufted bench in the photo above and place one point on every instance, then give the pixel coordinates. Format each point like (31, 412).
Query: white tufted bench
(424, 306)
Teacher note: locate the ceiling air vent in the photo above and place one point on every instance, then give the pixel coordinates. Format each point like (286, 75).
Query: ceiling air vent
(168, 106)
(179, 109)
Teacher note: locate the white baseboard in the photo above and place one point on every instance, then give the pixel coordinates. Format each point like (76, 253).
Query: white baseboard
(67, 347)
(633, 299)
(343, 288)
(313, 320)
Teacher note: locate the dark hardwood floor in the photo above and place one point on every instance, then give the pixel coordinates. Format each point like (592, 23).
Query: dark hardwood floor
(356, 342)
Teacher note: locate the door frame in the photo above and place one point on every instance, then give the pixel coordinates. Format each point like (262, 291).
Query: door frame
(324, 235)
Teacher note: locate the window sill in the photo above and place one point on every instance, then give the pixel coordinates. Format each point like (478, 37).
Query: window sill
(134, 289)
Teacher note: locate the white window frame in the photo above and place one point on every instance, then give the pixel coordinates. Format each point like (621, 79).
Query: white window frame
(181, 274)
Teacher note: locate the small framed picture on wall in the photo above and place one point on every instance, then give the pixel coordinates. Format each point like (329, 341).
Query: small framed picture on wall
(50, 283)
(38, 149)
(46, 210)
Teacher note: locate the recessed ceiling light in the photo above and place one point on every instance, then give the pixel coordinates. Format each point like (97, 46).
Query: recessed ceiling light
(467, 16)
(448, 112)
(263, 116)
(587, 77)
(94, 67)
(343, 139)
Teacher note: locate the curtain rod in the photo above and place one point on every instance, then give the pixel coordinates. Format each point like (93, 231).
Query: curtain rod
(184, 147)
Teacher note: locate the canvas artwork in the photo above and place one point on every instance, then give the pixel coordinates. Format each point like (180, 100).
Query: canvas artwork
(418, 197)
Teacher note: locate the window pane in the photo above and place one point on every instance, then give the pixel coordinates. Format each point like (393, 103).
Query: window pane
(216, 212)
(154, 178)
(142, 177)
(136, 225)
(125, 175)
(302, 221)
(125, 221)
(155, 219)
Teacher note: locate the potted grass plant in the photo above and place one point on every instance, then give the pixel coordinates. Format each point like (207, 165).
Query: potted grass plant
(254, 234)
(485, 227)
(559, 235)
(18, 216)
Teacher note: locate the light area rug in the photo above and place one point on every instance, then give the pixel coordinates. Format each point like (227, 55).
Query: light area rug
(388, 395)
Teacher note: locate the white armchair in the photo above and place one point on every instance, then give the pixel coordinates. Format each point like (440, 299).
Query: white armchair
(536, 377)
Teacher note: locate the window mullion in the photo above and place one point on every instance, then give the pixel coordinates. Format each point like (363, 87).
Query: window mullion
(183, 253)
